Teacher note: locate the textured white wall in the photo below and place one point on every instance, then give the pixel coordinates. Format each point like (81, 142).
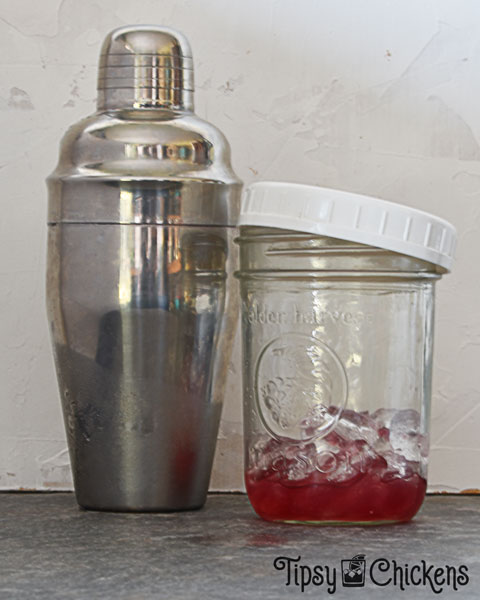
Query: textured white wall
(378, 97)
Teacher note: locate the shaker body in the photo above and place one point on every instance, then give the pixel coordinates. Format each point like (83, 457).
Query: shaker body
(337, 340)
(139, 314)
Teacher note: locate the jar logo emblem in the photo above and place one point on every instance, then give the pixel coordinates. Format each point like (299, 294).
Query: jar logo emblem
(301, 387)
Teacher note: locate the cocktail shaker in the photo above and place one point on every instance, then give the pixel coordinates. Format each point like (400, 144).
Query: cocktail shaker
(142, 212)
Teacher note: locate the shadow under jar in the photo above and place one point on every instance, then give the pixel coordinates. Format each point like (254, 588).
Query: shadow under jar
(337, 341)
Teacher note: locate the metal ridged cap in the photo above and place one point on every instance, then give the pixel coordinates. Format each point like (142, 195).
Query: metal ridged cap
(145, 66)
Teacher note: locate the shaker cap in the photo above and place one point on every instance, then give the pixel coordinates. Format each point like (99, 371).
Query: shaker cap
(352, 217)
(145, 66)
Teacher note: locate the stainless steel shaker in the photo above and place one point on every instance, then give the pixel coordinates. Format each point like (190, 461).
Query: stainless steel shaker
(142, 213)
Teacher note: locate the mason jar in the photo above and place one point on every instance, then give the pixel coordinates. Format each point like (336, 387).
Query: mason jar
(337, 317)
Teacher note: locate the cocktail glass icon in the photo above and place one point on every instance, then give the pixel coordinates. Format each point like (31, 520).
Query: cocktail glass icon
(353, 571)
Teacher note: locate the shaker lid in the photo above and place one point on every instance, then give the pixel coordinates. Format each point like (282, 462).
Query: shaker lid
(145, 66)
(348, 216)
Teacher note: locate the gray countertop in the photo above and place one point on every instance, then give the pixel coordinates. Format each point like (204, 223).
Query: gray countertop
(49, 548)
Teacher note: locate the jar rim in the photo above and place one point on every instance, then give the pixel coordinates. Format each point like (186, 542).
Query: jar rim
(282, 244)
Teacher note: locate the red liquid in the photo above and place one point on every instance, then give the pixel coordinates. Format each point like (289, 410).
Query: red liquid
(364, 498)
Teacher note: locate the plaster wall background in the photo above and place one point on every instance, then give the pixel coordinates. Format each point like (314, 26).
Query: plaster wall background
(378, 97)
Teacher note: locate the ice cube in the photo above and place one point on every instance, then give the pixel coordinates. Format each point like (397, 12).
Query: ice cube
(319, 419)
(295, 470)
(326, 462)
(382, 446)
(424, 445)
(344, 471)
(263, 453)
(298, 461)
(356, 426)
(383, 417)
(407, 420)
(342, 461)
(334, 439)
(384, 434)
(362, 457)
(405, 434)
(399, 467)
(327, 451)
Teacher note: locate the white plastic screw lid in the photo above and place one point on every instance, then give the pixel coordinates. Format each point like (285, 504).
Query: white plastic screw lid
(352, 217)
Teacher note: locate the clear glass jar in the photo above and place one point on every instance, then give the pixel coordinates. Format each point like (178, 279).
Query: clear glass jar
(337, 341)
